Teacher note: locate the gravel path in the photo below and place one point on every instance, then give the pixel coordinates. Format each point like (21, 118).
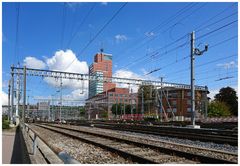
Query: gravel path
(84, 153)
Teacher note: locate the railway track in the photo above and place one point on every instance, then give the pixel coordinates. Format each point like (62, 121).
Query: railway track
(205, 135)
(138, 151)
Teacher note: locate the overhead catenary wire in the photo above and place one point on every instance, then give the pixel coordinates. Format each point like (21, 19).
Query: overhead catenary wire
(211, 18)
(154, 37)
(63, 23)
(220, 20)
(204, 64)
(204, 35)
(211, 47)
(155, 52)
(16, 53)
(99, 32)
(81, 24)
(194, 11)
(217, 29)
(162, 24)
(214, 75)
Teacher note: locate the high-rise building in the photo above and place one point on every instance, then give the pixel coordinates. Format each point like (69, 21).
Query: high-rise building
(102, 66)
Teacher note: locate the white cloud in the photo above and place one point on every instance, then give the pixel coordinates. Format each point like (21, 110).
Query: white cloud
(78, 95)
(228, 65)
(150, 34)
(213, 92)
(73, 5)
(91, 26)
(144, 71)
(120, 38)
(104, 3)
(4, 84)
(66, 61)
(127, 74)
(61, 62)
(32, 62)
(4, 98)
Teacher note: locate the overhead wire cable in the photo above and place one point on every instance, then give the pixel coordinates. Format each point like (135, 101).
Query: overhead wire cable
(158, 53)
(99, 32)
(194, 11)
(220, 20)
(162, 24)
(210, 47)
(63, 24)
(217, 29)
(205, 26)
(206, 33)
(17, 34)
(204, 64)
(174, 25)
(81, 24)
(218, 14)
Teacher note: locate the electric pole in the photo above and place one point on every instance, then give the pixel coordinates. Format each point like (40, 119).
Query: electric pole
(161, 99)
(61, 100)
(24, 94)
(192, 78)
(9, 109)
(12, 96)
(28, 106)
(131, 105)
(194, 51)
(18, 98)
(142, 102)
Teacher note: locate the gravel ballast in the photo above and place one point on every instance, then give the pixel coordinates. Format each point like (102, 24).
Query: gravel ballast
(83, 152)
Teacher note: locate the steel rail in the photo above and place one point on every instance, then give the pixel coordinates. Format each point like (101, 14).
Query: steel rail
(187, 155)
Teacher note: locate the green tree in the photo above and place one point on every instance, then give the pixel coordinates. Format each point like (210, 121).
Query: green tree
(218, 109)
(82, 111)
(148, 97)
(229, 96)
(118, 109)
(128, 109)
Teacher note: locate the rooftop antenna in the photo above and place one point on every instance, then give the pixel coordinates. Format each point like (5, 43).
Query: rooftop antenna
(101, 49)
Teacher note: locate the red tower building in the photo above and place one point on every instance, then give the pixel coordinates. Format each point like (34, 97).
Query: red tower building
(101, 66)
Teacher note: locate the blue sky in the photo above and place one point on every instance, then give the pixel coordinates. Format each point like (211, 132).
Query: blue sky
(132, 36)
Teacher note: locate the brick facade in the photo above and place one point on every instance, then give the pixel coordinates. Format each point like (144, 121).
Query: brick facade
(102, 65)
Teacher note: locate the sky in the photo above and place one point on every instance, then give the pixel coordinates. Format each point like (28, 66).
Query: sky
(142, 37)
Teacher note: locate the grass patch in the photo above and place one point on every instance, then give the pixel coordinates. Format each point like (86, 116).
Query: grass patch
(5, 122)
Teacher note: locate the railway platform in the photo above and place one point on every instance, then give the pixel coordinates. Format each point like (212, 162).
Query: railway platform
(13, 147)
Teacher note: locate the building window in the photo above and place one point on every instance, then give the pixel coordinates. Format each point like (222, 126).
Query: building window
(189, 102)
(110, 94)
(189, 110)
(174, 102)
(174, 95)
(188, 93)
(116, 94)
(174, 110)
